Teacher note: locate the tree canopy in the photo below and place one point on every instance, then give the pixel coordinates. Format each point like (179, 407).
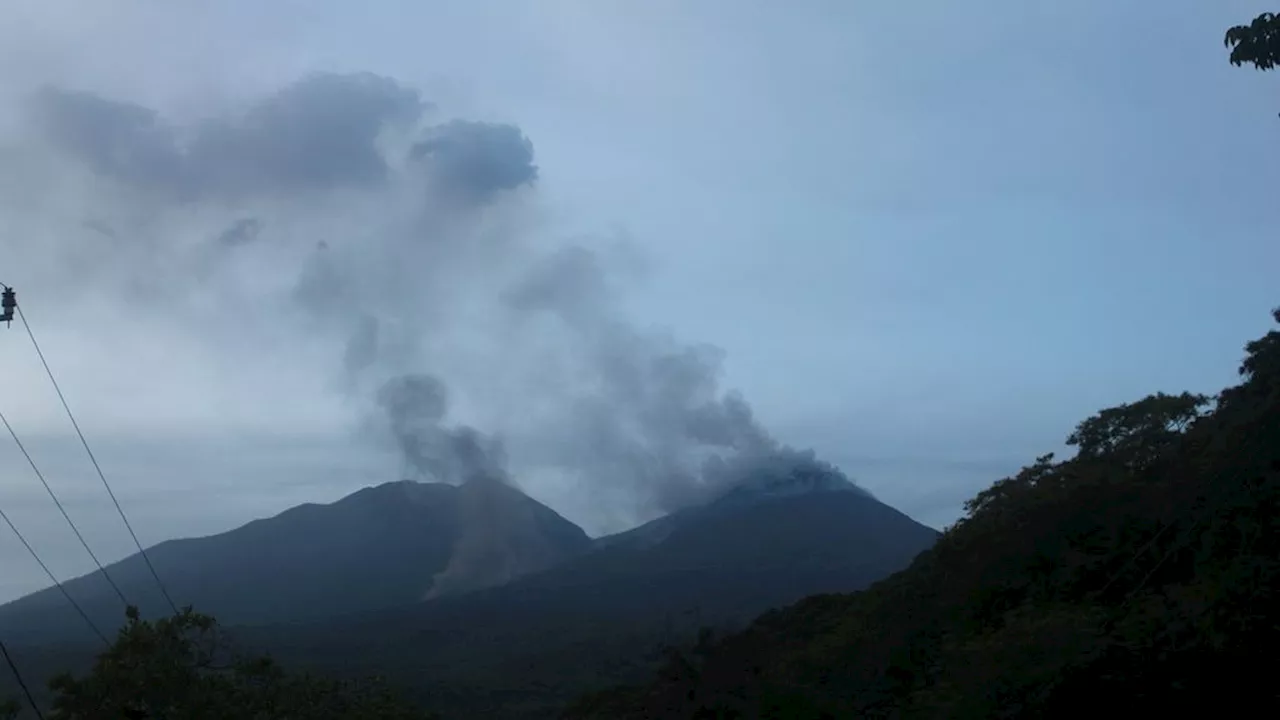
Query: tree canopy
(184, 668)
(1137, 433)
(1257, 43)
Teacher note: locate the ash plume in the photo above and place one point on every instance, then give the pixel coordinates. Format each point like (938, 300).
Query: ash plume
(347, 227)
(415, 409)
(320, 132)
(652, 413)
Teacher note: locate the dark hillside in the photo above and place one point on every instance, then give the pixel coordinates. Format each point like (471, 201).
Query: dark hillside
(1142, 574)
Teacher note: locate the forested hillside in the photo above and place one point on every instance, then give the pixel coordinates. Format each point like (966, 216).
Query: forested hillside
(1140, 575)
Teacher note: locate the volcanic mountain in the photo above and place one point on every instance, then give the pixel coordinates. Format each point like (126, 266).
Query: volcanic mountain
(485, 602)
(781, 533)
(394, 544)
(525, 647)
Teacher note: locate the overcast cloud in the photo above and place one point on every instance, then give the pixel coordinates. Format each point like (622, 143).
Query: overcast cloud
(602, 241)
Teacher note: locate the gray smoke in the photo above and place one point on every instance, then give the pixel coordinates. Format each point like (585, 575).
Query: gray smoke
(415, 407)
(319, 133)
(654, 415)
(475, 161)
(339, 221)
(242, 231)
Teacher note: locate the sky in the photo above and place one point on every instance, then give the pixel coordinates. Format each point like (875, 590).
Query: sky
(922, 242)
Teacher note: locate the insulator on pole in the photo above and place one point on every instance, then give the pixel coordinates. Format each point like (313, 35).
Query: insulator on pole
(8, 303)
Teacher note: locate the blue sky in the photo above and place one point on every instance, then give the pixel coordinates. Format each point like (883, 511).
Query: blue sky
(930, 238)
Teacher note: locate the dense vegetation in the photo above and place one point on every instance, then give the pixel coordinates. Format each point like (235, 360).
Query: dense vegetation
(1256, 44)
(183, 668)
(1144, 570)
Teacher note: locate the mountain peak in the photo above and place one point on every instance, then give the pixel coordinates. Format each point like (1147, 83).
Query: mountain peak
(412, 491)
(381, 546)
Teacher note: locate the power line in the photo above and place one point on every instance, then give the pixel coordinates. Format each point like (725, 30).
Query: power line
(32, 551)
(21, 683)
(94, 460)
(71, 523)
(53, 578)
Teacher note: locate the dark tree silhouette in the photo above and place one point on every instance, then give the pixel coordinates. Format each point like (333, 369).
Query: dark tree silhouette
(1144, 571)
(1137, 432)
(182, 667)
(1257, 43)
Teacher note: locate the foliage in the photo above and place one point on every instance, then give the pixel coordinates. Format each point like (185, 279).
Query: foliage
(1146, 570)
(1257, 43)
(180, 668)
(1137, 432)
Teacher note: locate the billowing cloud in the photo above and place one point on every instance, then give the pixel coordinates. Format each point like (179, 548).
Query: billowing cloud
(116, 139)
(319, 133)
(476, 160)
(337, 226)
(241, 231)
(415, 407)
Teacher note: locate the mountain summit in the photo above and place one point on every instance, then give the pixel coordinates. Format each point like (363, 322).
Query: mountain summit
(382, 546)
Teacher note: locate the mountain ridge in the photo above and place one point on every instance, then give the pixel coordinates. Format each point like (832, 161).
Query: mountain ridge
(546, 636)
(499, 639)
(379, 546)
